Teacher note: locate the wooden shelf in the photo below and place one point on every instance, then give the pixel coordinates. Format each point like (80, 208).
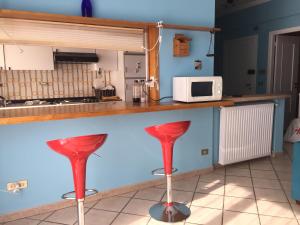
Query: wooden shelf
(46, 113)
(59, 18)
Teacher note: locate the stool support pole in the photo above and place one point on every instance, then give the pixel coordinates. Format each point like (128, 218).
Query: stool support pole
(80, 209)
(169, 189)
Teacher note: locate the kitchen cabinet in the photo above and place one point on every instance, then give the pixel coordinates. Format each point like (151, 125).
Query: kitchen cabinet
(25, 57)
(108, 60)
(2, 62)
(135, 66)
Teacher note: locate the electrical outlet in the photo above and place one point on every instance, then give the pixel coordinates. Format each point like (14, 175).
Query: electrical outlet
(16, 186)
(204, 151)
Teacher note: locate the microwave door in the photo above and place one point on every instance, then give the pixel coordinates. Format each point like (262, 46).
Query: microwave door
(201, 89)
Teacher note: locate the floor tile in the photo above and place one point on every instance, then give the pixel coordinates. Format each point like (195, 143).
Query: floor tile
(181, 196)
(235, 218)
(270, 195)
(139, 207)
(23, 222)
(220, 171)
(96, 217)
(155, 222)
(239, 181)
(209, 201)
(286, 184)
(205, 216)
(65, 216)
(154, 194)
(237, 191)
(90, 204)
(268, 220)
(126, 219)
(212, 177)
(261, 166)
(210, 188)
(289, 196)
(238, 172)
(296, 210)
(186, 184)
(283, 168)
(41, 216)
(284, 176)
(266, 183)
(241, 165)
(115, 203)
(274, 209)
(263, 174)
(48, 223)
(240, 205)
(128, 194)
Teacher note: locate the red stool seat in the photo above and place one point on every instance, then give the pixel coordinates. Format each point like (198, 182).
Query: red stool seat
(167, 134)
(78, 149)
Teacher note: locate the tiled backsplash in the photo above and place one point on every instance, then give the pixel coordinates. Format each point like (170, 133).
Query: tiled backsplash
(67, 80)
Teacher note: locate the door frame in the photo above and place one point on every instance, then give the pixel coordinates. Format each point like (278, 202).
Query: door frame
(271, 54)
(255, 36)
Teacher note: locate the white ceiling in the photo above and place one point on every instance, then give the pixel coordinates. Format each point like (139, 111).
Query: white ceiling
(229, 6)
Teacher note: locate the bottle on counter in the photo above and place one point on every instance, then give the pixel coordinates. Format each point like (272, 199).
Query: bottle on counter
(136, 95)
(143, 91)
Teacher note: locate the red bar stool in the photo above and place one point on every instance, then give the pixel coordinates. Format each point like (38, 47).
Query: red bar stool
(167, 134)
(78, 149)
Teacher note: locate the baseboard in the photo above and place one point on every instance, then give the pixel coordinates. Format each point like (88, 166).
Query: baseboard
(117, 191)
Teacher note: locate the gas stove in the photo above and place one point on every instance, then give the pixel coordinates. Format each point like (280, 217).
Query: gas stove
(51, 101)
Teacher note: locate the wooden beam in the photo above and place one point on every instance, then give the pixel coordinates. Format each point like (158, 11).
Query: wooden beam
(60, 18)
(153, 60)
(193, 28)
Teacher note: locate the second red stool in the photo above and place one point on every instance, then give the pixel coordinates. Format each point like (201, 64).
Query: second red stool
(167, 134)
(78, 149)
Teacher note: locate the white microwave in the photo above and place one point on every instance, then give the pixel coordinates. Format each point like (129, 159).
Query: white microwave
(197, 89)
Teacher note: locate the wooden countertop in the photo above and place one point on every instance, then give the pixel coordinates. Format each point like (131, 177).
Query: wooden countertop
(60, 112)
(254, 98)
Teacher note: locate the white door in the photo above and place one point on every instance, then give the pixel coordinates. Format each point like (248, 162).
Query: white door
(286, 66)
(2, 62)
(28, 57)
(240, 66)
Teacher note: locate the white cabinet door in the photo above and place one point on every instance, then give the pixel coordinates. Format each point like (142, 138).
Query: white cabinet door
(28, 57)
(135, 66)
(108, 60)
(2, 63)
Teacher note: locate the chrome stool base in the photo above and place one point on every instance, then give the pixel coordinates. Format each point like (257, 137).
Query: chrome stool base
(171, 214)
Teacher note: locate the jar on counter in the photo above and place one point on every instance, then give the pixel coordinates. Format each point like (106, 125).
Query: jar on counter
(143, 91)
(136, 94)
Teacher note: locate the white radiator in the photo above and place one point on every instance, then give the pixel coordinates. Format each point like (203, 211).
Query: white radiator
(245, 132)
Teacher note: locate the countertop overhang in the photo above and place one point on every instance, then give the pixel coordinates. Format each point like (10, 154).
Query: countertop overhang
(61, 112)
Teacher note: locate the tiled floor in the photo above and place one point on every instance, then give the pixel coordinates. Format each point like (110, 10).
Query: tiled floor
(251, 193)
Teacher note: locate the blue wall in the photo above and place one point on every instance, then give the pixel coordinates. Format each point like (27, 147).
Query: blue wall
(260, 20)
(126, 157)
(24, 153)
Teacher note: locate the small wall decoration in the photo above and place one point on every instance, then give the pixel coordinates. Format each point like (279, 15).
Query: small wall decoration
(181, 45)
(86, 8)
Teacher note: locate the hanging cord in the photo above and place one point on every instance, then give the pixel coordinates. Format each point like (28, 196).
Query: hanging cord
(155, 100)
(11, 38)
(159, 39)
(210, 45)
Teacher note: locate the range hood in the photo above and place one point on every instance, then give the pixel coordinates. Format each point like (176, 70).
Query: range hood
(75, 57)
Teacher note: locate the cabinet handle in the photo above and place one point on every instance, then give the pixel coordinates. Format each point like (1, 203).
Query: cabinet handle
(9, 68)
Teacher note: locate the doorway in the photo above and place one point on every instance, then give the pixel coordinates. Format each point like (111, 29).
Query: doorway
(283, 71)
(240, 62)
